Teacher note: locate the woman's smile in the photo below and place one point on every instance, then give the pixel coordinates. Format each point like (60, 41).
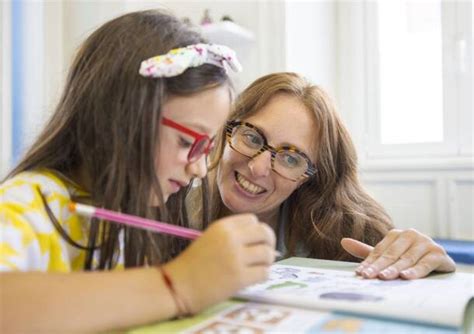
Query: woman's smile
(247, 186)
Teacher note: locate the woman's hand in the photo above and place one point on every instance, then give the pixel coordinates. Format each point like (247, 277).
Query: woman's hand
(233, 253)
(407, 254)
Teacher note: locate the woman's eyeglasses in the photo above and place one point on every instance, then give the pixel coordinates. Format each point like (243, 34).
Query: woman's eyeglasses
(202, 143)
(286, 161)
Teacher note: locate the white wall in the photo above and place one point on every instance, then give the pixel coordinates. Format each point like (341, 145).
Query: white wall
(280, 42)
(437, 202)
(258, 58)
(310, 41)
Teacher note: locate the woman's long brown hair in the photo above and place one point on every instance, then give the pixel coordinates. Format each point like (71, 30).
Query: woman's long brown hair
(106, 124)
(330, 205)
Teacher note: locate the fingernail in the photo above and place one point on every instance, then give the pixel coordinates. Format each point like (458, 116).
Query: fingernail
(359, 269)
(367, 272)
(407, 273)
(387, 272)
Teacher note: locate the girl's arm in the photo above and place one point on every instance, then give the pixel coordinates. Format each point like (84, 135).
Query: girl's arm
(84, 301)
(233, 253)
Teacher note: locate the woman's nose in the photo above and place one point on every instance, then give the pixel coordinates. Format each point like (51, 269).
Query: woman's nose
(261, 165)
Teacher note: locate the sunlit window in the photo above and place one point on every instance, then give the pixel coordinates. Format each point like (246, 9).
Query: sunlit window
(410, 71)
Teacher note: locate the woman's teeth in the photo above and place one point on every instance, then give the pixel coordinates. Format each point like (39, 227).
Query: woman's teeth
(248, 186)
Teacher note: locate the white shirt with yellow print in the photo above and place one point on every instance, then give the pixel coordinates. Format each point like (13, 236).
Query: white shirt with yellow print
(28, 239)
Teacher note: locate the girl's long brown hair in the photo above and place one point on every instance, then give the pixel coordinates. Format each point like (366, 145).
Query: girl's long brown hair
(332, 204)
(106, 124)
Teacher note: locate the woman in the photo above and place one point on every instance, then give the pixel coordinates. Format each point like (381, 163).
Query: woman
(286, 156)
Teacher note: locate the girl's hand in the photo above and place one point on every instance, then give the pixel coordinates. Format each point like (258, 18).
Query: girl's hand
(233, 253)
(407, 254)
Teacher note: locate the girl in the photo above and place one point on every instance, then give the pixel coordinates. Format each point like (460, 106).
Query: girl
(130, 131)
(286, 156)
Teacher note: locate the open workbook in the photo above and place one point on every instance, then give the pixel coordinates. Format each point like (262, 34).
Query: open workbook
(303, 299)
(437, 300)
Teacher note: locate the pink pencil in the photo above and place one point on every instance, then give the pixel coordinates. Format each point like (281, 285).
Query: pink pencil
(130, 220)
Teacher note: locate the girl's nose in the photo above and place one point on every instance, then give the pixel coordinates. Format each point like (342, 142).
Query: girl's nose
(198, 168)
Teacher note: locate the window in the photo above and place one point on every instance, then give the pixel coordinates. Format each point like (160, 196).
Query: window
(409, 35)
(419, 78)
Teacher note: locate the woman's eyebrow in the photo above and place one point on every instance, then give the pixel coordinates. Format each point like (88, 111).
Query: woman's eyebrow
(281, 144)
(295, 146)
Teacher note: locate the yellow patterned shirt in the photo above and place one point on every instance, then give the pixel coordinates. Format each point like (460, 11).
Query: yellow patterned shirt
(28, 239)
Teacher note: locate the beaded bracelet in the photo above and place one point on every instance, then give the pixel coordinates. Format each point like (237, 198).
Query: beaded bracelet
(183, 310)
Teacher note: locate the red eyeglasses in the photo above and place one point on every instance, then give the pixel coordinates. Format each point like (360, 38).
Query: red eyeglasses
(202, 143)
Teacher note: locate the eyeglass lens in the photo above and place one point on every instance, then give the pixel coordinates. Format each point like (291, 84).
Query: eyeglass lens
(198, 149)
(249, 142)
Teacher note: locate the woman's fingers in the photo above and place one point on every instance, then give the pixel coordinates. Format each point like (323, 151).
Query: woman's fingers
(356, 248)
(422, 268)
(393, 252)
(408, 254)
(380, 248)
(433, 260)
(407, 260)
(376, 253)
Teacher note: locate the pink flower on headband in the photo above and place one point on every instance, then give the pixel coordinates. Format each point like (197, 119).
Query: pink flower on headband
(178, 60)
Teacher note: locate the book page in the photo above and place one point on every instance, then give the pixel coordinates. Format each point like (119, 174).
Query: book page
(239, 317)
(253, 318)
(256, 318)
(438, 299)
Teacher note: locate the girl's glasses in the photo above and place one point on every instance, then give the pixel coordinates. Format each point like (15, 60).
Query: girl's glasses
(202, 143)
(287, 161)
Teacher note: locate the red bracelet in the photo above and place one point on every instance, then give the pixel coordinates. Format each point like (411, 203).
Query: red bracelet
(183, 310)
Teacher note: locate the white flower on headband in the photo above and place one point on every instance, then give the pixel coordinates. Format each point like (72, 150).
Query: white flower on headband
(178, 60)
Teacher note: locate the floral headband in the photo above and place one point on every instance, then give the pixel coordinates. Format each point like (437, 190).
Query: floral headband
(178, 60)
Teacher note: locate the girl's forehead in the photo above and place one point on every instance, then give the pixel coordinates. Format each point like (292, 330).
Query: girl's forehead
(207, 110)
